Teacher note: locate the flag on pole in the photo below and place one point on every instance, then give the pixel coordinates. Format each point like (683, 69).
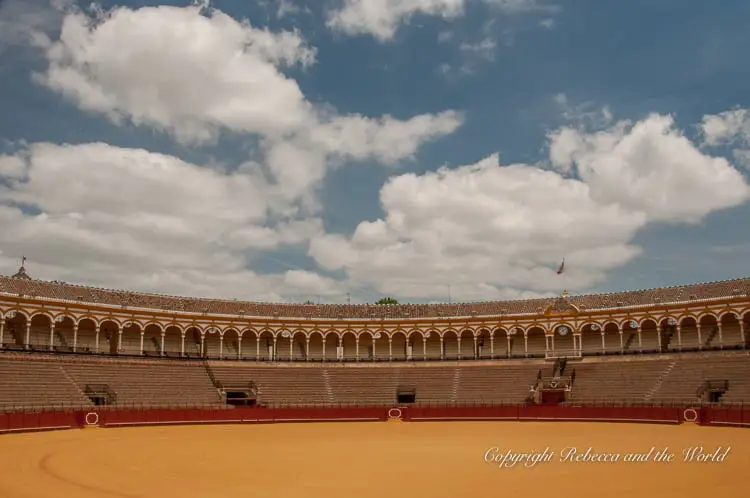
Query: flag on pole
(562, 267)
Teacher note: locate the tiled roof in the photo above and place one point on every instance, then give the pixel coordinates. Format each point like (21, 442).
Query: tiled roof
(591, 302)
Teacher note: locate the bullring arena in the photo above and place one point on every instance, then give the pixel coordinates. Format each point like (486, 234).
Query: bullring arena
(609, 394)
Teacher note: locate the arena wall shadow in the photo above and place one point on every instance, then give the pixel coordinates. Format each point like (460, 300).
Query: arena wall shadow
(53, 420)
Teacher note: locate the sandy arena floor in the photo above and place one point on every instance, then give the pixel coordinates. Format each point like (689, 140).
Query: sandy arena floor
(364, 460)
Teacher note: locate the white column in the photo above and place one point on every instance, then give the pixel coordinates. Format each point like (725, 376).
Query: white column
(700, 337)
(459, 344)
(658, 335)
(526, 343)
(622, 342)
(274, 353)
(96, 339)
(27, 338)
(221, 346)
(2, 330)
(119, 340)
(143, 332)
(742, 333)
(390, 349)
(291, 348)
(307, 349)
(679, 337)
(492, 344)
(424, 347)
(356, 348)
(476, 351)
(75, 337)
(239, 347)
(203, 343)
(161, 347)
(507, 352)
(640, 338)
(182, 343)
(604, 343)
(373, 347)
(324, 347)
(52, 336)
(721, 336)
(442, 348)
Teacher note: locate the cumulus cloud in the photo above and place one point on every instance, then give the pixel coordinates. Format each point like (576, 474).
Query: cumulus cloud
(382, 18)
(150, 221)
(650, 167)
(114, 216)
(729, 128)
(489, 230)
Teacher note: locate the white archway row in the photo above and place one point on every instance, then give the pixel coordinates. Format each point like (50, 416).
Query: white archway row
(34, 327)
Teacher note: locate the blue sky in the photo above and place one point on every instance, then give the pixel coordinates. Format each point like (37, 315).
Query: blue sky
(604, 100)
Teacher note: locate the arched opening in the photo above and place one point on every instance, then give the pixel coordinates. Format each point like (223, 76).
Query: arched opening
(398, 346)
(483, 343)
(450, 345)
(708, 330)
(284, 349)
(192, 342)
(499, 345)
(415, 348)
(366, 341)
(152, 340)
(613, 340)
(432, 347)
(535, 343)
(299, 345)
(730, 336)
(265, 351)
(173, 341)
(591, 339)
(315, 352)
(212, 343)
(249, 346)
(380, 345)
(63, 337)
(129, 342)
(331, 345)
(466, 344)
(669, 339)
(87, 339)
(516, 340)
(108, 337)
(564, 341)
(14, 331)
(630, 336)
(349, 346)
(649, 337)
(689, 334)
(41, 336)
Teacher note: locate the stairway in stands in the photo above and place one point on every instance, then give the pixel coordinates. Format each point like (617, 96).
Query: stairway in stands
(329, 389)
(631, 338)
(650, 393)
(456, 383)
(711, 336)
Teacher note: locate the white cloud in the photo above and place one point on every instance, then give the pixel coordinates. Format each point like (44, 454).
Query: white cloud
(108, 216)
(177, 70)
(650, 167)
(195, 72)
(381, 18)
(488, 230)
(729, 128)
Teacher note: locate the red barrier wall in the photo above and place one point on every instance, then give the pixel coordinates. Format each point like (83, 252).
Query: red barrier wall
(28, 421)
